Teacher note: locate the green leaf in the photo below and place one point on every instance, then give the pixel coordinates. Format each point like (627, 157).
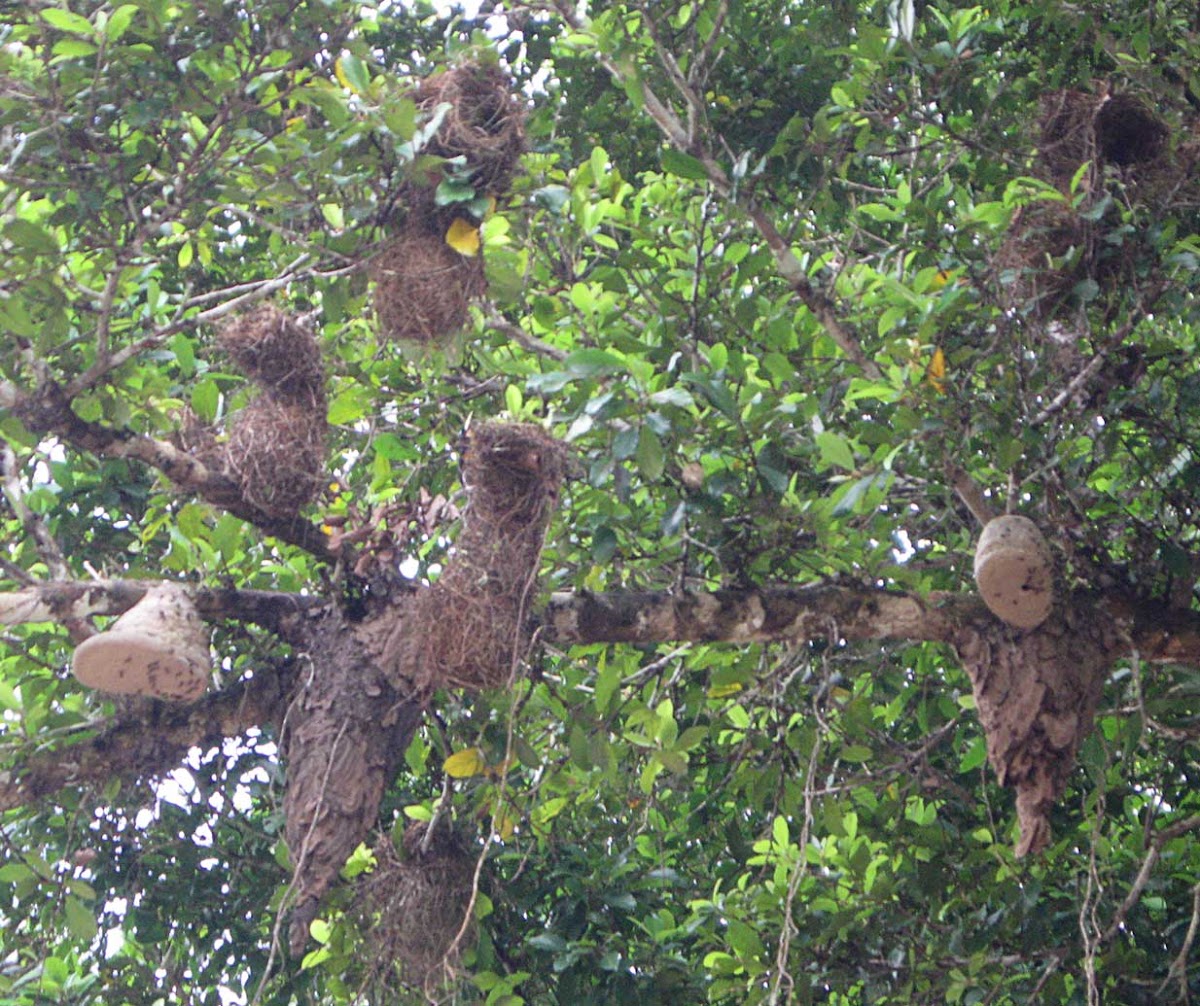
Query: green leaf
(349, 406)
(835, 450)
(206, 397)
(650, 454)
(120, 20)
(74, 48)
(683, 165)
(81, 921)
(65, 20)
(29, 235)
(599, 163)
(677, 396)
(352, 73)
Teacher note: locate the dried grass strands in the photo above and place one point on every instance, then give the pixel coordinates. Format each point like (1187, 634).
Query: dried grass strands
(468, 630)
(423, 286)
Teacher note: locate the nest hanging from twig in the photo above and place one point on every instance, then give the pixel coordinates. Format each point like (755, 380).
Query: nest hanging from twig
(414, 905)
(270, 347)
(469, 629)
(276, 453)
(484, 123)
(1050, 249)
(423, 286)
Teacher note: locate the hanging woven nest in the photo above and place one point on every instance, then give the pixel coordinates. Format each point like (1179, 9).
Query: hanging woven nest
(1067, 137)
(1078, 128)
(1127, 132)
(480, 605)
(423, 286)
(484, 123)
(276, 454)
(1049, 250)
(272, 348)
(414, 905)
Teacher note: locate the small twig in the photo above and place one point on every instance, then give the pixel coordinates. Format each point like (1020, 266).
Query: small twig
(1143, 877)
(969, 492)
(1179, 966)
(521, 337)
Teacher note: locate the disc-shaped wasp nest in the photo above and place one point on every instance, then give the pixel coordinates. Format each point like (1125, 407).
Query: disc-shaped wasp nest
(1014, 571)
(158, 648)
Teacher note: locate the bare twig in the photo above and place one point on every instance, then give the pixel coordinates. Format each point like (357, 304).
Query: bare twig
(969, 492)
(521, 337)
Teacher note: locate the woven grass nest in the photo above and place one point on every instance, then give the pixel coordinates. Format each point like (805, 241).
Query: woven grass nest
(423, 286)
(485, 123)
(480, 605)
(413, 906)
(270, 347)
(1050, 249)
(276, 453)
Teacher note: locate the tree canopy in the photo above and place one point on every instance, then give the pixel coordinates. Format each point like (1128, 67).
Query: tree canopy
(566, 430)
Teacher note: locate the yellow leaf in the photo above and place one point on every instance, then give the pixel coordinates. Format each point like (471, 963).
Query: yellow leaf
(341, 76)
(936, 373)
(464, 764)
(724, 691)
(505, 826)
(463, 237)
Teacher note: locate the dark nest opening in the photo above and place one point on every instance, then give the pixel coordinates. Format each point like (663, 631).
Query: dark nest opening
(471, 626)
(269, 346)
(485, 123)
(423, 286)
(413, 906)
(276, 453)
(1127, 132)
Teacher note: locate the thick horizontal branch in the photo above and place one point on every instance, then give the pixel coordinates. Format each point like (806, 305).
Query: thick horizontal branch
(797, 614)
(779, 614)
(63, 600)
(50, 412)
(747, 615)
(736, 616)
(141, 746)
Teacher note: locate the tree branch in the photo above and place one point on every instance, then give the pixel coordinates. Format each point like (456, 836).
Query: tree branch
(49, 411)
(59, 600)
(142, 746)
(765, 615)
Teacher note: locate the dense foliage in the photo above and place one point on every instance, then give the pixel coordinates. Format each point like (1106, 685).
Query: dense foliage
(705, 821)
